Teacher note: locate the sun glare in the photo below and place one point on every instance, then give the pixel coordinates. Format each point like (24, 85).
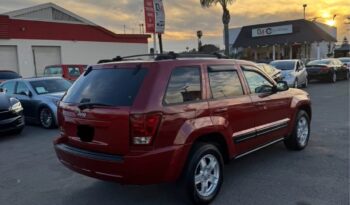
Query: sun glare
(330, 22)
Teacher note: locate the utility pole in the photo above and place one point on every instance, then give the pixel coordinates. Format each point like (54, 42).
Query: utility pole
(160, 43)
(124, 29)
(304, 6)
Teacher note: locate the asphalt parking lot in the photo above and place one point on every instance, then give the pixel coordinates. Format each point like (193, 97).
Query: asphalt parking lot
(31, 174)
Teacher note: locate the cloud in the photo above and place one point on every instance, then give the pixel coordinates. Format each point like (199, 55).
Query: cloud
(185, 17)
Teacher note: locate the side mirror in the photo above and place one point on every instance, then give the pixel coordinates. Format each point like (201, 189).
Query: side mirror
(264, 89)
(26, 93)
(281, 86)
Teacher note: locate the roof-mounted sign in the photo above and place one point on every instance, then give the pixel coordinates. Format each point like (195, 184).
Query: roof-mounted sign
(270, 31)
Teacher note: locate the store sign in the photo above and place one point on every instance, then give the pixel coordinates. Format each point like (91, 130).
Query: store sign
(160, 16)
(149, 16)
(154, 16)
(270, 31)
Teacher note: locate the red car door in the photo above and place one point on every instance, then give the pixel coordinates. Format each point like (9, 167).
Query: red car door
(230, 106)
(273, 112)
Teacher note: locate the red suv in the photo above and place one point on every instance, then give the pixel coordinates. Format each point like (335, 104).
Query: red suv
(68, 72)
(176, 118)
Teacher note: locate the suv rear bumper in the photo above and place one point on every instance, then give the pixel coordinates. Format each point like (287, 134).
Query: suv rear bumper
(157, 166)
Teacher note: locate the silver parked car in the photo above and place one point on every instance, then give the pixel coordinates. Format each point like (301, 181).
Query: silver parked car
(293, 72)
(39, 97)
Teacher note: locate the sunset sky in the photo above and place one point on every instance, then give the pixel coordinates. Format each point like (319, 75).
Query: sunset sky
(185, 17)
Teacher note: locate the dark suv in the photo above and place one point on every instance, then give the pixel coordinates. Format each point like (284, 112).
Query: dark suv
(176, 118)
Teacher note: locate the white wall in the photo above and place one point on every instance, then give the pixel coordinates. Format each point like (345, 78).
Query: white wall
(323, 49)
(72, 52)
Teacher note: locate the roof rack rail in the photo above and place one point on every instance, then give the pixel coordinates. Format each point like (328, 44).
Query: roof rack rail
(166, 56)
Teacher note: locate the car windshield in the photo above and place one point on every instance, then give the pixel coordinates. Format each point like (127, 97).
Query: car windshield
(319, 62)
(8, 75)
(50, 86)
(345, 60)
(119, 87)
(283, 65)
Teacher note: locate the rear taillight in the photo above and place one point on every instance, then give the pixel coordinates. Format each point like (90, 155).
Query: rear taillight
(324, 70)
(144, 128)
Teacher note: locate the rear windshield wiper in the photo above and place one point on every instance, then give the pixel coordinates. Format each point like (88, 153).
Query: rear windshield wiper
(84, 106)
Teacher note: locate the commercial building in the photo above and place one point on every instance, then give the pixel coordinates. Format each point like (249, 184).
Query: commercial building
(295, 39)
(47, 34)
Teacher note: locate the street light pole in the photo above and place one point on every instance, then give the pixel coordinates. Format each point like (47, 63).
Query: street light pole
(304, 6)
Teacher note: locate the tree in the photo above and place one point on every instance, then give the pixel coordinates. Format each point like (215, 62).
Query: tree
(225, 17)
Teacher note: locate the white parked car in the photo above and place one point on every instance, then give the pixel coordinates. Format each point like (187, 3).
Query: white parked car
(293, 72)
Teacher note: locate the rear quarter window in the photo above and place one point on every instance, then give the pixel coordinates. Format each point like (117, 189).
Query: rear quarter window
(114, 87)
(184, 86)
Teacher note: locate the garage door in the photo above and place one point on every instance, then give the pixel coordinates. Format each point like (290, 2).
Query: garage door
(8, 58)
(44, 56)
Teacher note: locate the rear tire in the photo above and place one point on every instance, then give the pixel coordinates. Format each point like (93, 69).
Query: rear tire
(46, 118)
(299, 138)
(333, 77)
(306, 83)
(203, 176)
(347, 76)
(296, 84)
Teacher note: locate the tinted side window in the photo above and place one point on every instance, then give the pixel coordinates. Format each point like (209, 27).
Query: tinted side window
(21, 88)
(184, 86)
(73, 71)
(225, 84)
(10, 87)
(53, 71)
(257, 82)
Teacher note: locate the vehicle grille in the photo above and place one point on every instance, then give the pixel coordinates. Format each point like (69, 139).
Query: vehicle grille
(7, 115)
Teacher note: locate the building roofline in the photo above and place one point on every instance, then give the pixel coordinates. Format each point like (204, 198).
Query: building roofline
(13, 14)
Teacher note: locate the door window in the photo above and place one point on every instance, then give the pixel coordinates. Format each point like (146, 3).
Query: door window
(9, 87)
(257, 82)
(184, 86)
(21, 88)
(224, 84)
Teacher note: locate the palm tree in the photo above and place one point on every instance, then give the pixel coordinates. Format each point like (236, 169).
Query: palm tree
(225, 17)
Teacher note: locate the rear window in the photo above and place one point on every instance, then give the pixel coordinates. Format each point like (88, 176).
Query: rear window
(283, 65)
(319, 62)
(8, 75)
(53, 71)
(114, 87)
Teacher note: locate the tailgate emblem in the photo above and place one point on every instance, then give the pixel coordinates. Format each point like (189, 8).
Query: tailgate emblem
(81, 114)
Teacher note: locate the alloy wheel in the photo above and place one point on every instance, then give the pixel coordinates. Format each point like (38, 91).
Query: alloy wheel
(207, 174)
(46, 118)
(302, 131)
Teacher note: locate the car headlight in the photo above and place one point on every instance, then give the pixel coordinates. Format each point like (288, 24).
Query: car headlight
(16, 105)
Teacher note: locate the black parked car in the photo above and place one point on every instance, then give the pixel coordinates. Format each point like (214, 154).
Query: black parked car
(11, 115)
(327, 69)
(8, 75)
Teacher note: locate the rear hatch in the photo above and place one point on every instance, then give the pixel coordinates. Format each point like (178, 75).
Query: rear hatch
(94, 114)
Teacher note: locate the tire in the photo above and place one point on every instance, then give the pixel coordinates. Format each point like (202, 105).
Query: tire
(46, 118)
(306, 83)
(299, 138)
(296, 84)
(347, 75)
(201, 157)
(333, 78)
